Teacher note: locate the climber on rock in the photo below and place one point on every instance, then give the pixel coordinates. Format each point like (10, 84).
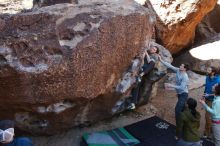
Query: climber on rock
(150, 58)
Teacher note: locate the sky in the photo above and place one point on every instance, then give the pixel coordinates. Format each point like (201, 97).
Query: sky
(207, 51)
(140, 1)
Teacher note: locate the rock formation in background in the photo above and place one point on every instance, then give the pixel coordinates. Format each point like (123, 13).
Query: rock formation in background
(209, 26)
(200, 65)
(60, 65)
(177, 21)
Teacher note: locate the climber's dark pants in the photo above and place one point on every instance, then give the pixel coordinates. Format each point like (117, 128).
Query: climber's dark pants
(137, 91)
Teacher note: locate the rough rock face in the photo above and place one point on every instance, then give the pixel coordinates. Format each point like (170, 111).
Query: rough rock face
(60, 65)
(207, 53)
(177, 20)
(209, 26)
(43, 3)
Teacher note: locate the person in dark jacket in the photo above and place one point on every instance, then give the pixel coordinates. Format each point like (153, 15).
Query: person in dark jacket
(7, 135)
(188, 123)
(150, 57)
(212, 78)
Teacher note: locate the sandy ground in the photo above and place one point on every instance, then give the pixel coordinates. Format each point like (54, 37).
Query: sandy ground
(162, 105)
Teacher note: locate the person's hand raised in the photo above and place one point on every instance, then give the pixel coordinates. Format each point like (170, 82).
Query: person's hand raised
(202, 101)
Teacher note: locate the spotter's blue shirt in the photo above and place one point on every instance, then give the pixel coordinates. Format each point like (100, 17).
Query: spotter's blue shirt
(208, 85)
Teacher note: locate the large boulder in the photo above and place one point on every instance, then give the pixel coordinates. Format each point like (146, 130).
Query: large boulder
(177, 21)
(60, 65)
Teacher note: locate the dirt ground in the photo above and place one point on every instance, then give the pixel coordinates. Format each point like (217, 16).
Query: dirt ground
(162, 105)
